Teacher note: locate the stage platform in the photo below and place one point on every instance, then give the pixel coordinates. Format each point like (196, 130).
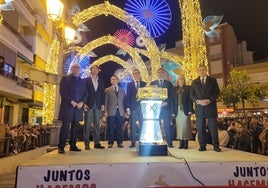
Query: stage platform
(123, 167)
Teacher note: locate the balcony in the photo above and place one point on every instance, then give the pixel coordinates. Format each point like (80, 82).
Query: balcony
(10, 87)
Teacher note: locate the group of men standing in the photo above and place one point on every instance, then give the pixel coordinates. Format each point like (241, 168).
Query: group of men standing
(89, 96)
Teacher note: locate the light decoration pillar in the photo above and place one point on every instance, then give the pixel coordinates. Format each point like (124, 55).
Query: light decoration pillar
(195, 52)
(54, 12)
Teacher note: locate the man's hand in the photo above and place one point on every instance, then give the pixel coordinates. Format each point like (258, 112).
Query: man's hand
(79, 105)
(128, 111)
(86, 108)
(73, 103)
(164, 103)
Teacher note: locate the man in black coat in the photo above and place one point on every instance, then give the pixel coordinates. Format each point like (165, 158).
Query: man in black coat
(204, 93)
(73, 96)
(133, 106)
(94, 106)
(167, 104)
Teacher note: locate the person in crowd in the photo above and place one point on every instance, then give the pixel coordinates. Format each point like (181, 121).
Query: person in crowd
(231, 132)
(73, 96)
(167, 105)
(264, 134)
(2, 61)
(242, 140)
(255, 128)
(133, 107)
(204, 93)
(93, 107)
(114, 111)
(224, 137)
(183, 108)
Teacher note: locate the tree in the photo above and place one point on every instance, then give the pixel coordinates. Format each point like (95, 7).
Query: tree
(239, 88)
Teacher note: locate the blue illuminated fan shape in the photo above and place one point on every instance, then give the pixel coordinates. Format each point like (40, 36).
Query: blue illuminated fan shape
(83, 62)
(155, 15)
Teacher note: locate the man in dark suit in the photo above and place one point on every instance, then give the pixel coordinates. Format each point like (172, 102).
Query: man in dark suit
(94, 105)
(167, 104)
(133, 106)
(73, 95)
(204, 93)
(114, 111)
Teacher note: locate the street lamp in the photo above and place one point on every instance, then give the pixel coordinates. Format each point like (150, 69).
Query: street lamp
(54, 10)
(54, 13)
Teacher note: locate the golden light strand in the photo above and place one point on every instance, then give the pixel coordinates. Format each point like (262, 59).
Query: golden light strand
(50, 89)
(195, 52)
(113, 58)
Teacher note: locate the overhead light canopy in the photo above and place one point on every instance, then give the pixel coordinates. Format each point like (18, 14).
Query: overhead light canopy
(54, 9)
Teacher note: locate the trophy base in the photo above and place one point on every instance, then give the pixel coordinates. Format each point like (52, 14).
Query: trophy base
(152, 150)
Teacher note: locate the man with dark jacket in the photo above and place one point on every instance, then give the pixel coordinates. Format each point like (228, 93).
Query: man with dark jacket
(204, 93)
(167, 104)
(73, 96)
(94, 106)
(133, 106)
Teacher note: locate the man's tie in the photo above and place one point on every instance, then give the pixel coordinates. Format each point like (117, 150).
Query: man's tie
(161, 83)
(203, 82)
(116, 90)
(137, 84)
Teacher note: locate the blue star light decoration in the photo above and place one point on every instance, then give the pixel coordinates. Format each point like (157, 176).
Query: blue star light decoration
(155, 15)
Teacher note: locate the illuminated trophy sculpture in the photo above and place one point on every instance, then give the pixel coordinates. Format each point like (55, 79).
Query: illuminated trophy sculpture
(151, 139)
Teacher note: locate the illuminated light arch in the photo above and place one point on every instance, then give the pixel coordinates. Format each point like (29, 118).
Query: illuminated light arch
(108, 39)
(108, 9)
(115, 59)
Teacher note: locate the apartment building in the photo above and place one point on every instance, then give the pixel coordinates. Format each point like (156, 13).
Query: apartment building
(25, 38)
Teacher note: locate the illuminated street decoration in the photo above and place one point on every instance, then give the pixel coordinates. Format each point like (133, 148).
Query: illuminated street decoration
(210, 23)
(195, 52)
(115, 59)
(155, 15)
(108, 9)
(124, 36)
(111, 40)
(83, 60)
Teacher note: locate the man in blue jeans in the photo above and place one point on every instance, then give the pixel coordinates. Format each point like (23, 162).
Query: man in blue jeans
(94, 106)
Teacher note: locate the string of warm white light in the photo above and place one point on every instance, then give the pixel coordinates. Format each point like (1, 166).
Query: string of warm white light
(49, 99)
(195, 52)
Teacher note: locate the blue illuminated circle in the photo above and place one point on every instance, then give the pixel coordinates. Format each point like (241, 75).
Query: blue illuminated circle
(155, 15)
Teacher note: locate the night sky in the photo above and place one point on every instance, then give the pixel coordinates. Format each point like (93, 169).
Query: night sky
(249, 19)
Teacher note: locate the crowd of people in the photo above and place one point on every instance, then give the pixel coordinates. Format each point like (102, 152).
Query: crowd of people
(24, 137)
